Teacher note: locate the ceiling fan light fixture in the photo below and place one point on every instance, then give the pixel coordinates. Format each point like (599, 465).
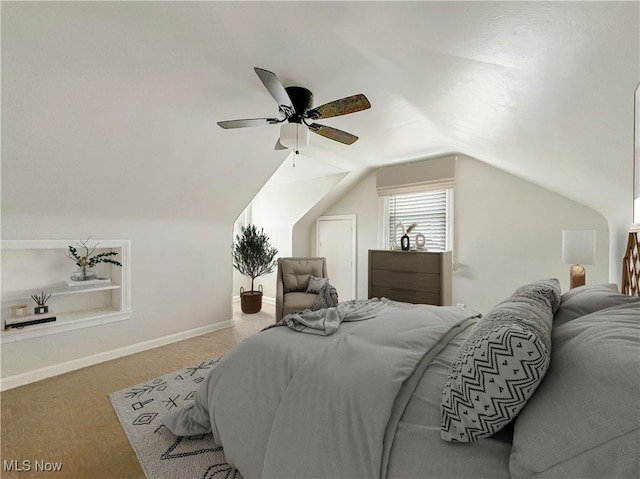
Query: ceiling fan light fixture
(295, 107)
(294, 135)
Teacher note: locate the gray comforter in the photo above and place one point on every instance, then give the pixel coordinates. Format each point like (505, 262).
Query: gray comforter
(365, 400)
(281, 394)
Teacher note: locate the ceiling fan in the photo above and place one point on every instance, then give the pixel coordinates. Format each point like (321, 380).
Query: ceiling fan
(295, 107)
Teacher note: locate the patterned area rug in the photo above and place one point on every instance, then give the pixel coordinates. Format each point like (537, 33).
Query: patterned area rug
(161, 454)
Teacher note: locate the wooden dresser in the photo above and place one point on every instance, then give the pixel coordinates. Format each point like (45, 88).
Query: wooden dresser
(411, 276)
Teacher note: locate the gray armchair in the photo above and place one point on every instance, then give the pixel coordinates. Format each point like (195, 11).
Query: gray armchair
(292, 282)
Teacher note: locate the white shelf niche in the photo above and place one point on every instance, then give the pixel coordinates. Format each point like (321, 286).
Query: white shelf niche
(35, 266)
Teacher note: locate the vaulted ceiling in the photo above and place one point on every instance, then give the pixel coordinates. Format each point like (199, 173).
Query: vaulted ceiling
(543, 90)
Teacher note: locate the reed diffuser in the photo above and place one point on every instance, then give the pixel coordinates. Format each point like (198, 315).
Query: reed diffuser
(40, 300)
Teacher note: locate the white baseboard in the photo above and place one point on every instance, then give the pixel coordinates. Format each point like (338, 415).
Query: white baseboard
(11, 382)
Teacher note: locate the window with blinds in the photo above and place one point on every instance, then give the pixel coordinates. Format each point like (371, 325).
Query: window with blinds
(430, 210)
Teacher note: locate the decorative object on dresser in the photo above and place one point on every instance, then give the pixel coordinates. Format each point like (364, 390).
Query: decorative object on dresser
(578, 248)
(405, 242)
(86, 262)
(398, 231)
(253, 256)
(411, 276)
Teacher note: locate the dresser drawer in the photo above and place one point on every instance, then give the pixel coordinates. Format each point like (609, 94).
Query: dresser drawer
(415, 281)
(405, 261)
(406, 296)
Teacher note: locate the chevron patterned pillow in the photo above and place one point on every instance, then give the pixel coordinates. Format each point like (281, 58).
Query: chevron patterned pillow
(500, 364)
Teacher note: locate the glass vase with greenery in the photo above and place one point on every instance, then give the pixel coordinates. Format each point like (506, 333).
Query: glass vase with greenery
(85, 262)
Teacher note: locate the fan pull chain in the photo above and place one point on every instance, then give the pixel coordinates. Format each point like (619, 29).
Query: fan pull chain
(297, 152)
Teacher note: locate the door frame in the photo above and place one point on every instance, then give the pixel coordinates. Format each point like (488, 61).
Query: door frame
(354, 250)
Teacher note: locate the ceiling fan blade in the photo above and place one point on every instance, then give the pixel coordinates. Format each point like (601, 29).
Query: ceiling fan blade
(350, 104)
(333, 133)
(279, 146)
(279, 94)
(248, 122)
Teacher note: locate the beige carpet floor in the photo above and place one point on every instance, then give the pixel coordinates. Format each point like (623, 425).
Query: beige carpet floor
(68, 419)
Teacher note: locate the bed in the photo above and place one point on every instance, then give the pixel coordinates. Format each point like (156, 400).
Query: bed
(544, 385)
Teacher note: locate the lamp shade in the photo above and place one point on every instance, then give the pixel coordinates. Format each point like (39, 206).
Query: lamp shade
(578, 246)
(294, 135)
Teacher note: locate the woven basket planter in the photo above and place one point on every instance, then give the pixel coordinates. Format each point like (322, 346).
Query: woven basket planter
(251, 301)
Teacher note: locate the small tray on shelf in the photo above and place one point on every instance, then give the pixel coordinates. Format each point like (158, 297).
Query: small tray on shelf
(87, 283)
(30, 320)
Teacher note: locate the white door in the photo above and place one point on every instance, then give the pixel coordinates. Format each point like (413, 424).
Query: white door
(336, 241)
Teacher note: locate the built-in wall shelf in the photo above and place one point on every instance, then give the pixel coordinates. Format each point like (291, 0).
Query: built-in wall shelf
(56, 290)
(36, 266)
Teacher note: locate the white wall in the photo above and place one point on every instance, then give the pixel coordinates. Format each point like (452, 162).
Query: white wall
(361, 200)
(507, 231)
(176, 285)
(276, 209)
(181, 272)
(93, 144)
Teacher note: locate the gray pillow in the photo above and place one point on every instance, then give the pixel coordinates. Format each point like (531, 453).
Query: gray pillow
(296, 273)
(584, 419)
(500, 364)
(540, 291)
(295, 283)
(316, 284)
(588, 299)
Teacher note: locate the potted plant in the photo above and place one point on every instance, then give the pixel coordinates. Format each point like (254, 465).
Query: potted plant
(85, 262)
(253, 256)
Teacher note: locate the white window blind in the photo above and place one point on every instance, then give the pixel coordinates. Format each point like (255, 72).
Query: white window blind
(430, 210)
